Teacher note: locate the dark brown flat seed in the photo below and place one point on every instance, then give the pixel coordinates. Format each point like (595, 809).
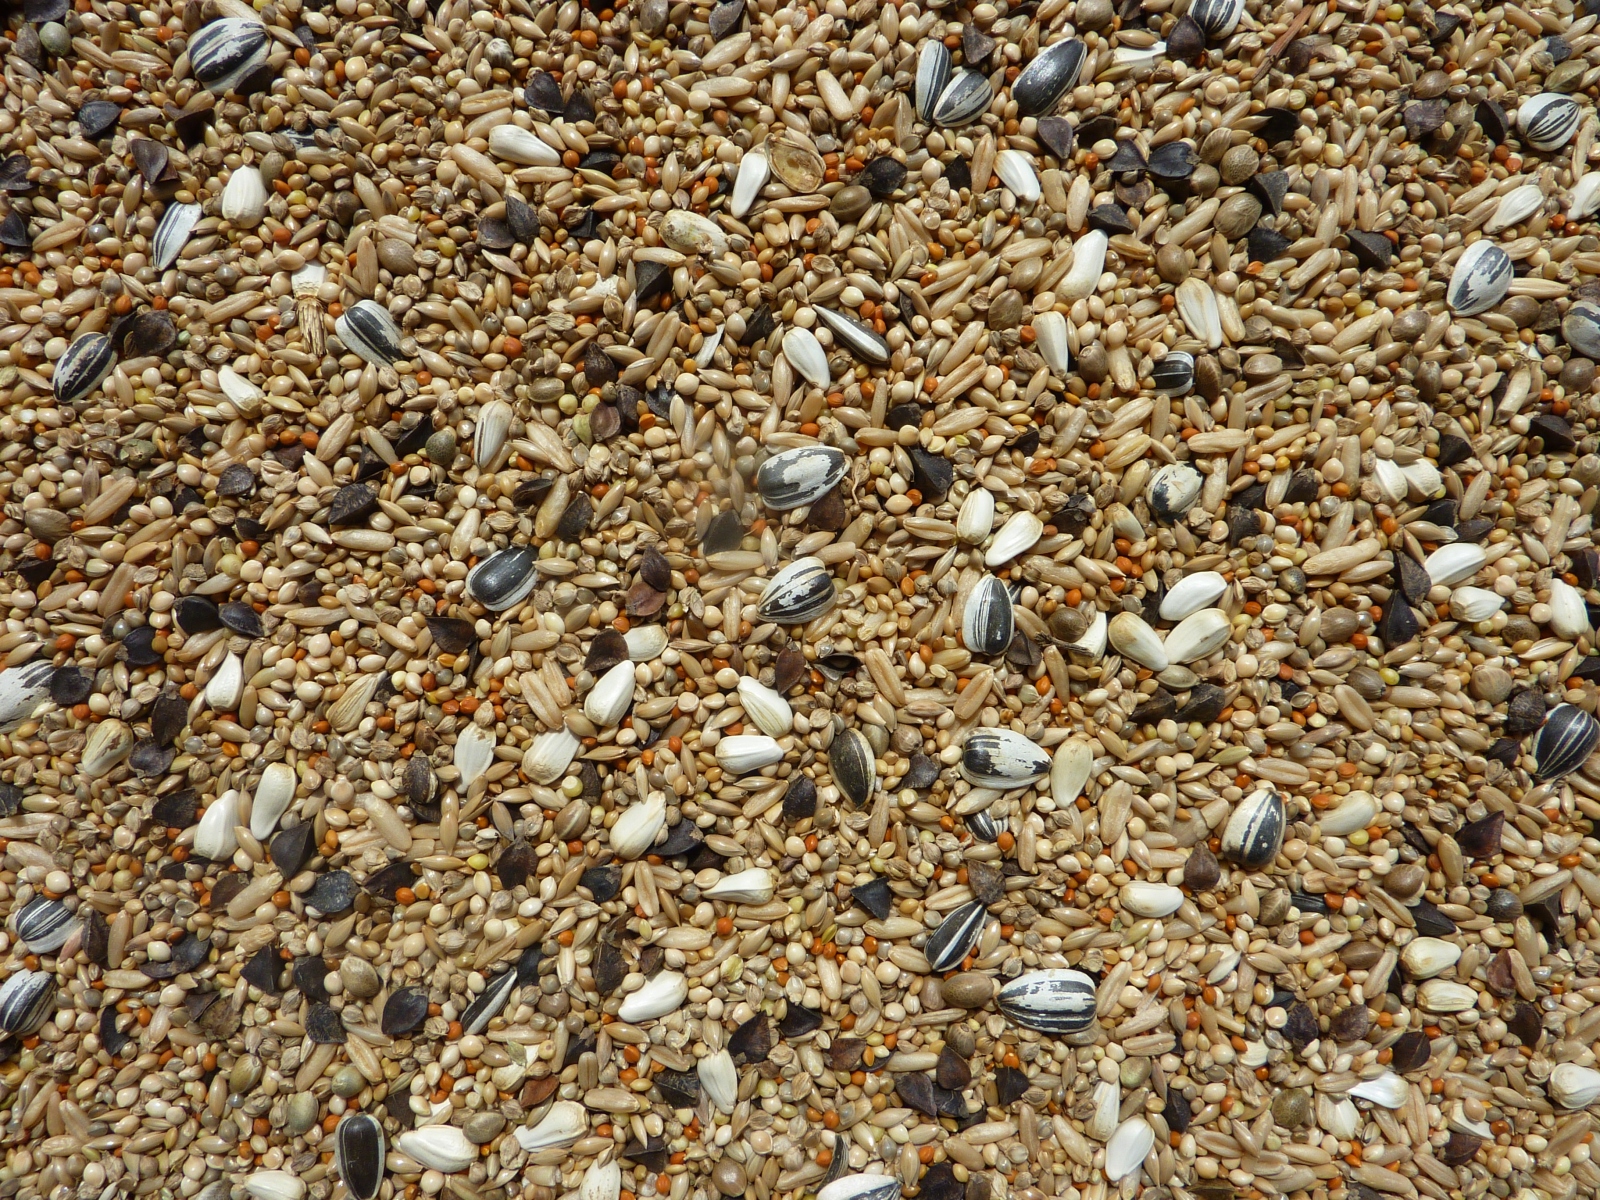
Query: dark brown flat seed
(1411, 1051)
(952, 1070)
(1481, 839)
(753, 1040)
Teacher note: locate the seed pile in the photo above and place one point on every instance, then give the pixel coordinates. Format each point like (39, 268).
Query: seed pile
(799, 600)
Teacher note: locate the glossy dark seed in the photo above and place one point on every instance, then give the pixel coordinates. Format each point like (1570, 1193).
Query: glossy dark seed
(358, 1150)
(883, 177)
(1411, 1051)
(956, 936)
(324, 1027)
(875, 897)
(798, 1022)
(291, 849)
(1048, 77)
(1565, 742)
(1481, 839)
(242, 619)
(404, 1011)
(489, 1002)
(332, 893)
(752, 1041)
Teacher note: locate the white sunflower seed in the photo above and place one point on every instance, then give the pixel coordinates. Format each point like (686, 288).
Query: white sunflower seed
(1151, 899)
(549, 755)
(661, 994)
(1191, 594)
(1016, 172)
(1387, 1090)
(1197, 305)
(719, 1080)
(474, 754)
(1197, 636)
(565, 1123)
(635, 831)
(1425, 957)
(214, 836)
(1069, 772)
(1128, 1147)
(1131, 637)
(438, 1148)
(1017, 536)
(770, 711)
(805, 354)
(747, 753)
(522, 146)
(1050, 335)
(244, 199)
(1454, 563)
(751, 886)
(611, 696)
(755, 168)
(1574, 1087)
(271, 800)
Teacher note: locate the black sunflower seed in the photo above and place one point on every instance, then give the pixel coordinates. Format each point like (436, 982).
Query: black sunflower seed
(544, 93)
(603, 882)
(98, 118)
(387, 882)
(800, 801)
(14, 174)
(69, 686)
(352, 503)
(150, 757)
(332, 893)
(798, 1022)
(1411, 1051)
(404, 1011)
(753, 1040)
(111, 1038)
(310, 977)
(96, 937)
(139, 647)
(242, 619)
(680, 1089)
(1430, 921)
(177, 811)
(875, 897)
(609, 969)
(186, 955)
(324, 1027)
(1481, 839)
(883, 177)
(14, 231)
(516, 862)
(1010, 1085)
(916, 1092)
(574, 522)
(292, 849)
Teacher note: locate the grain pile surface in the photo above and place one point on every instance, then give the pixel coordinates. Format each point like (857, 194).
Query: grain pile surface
(802, 600)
